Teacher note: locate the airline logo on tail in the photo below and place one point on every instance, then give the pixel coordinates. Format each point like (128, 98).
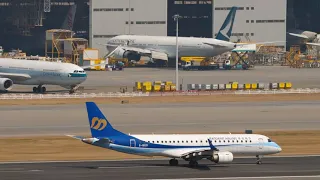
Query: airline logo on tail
(98, 124)
(226, 28)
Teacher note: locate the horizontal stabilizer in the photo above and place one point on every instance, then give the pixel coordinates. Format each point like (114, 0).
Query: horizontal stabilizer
(313, 44)
(299, 35)
(75, 137)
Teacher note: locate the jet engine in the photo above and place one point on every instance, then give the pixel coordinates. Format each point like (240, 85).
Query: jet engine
(130, 55)
(222, 157)
(5, 84)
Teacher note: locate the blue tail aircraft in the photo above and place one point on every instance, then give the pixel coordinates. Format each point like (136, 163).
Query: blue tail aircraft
(218, 148)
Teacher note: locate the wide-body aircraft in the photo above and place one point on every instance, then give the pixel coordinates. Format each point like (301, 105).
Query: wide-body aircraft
(164, 47)
(218, 148)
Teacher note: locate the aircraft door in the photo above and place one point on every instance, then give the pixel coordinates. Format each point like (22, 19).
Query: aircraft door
(132, 143)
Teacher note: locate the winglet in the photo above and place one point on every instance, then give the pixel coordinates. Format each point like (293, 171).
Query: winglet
(212, 147)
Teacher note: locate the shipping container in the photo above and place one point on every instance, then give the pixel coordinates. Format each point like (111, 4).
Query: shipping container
(273, 85)
(138, 86)
(168, 82)
(157, 83)
(247, 86)
(173, 87)
(228, 86)
(167, 88)
(222, 86)
(208, 87)
(215, 86)
(191, 86)
(240, 86)
(156, 88)
(234, 86)
(282, 85)
(288, 85)
(261, 85)
(146, 83)
(254, 86)
(147, 88)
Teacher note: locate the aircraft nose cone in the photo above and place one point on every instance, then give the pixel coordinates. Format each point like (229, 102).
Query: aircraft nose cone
(279, 149)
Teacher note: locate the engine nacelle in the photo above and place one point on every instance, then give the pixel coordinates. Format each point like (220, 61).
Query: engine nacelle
(222, 157)
(130, 55)
(5, 84)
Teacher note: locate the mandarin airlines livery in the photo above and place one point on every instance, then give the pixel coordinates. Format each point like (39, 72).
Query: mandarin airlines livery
(218, 148)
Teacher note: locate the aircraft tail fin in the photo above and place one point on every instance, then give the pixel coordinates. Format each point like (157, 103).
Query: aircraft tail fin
(226, 28)
(69, 20)
(99, 125)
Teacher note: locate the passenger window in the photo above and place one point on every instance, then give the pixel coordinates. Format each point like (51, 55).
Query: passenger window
(215, 141)
(206, 141)
(191, 141)
(173, 141)
(186, 141)
(241, 141)
(177, 141)
(161, 141)
(196, 141)
(152, 141)
(165, 141)
(157, 141)
(181, 141)
(201, 141)
(169, 141)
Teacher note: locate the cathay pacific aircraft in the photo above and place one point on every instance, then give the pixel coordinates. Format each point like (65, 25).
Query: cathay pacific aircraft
(218, 148)
(164, 47)
(40, 73)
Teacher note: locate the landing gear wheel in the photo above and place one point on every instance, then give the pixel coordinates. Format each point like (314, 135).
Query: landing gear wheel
(259, 160)
(43, 89)
(173, 162)
(193, 163)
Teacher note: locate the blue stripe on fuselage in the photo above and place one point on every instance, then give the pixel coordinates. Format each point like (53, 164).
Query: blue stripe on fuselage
(78, 75)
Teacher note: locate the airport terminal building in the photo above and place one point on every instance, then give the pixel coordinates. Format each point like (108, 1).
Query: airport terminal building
(256, 20)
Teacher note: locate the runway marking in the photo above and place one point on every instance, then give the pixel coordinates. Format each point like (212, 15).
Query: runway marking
(128, 167)
(230, 178)
(156, 159)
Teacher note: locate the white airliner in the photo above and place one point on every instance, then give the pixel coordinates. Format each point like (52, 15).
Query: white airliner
(164, 47)
(218, 148)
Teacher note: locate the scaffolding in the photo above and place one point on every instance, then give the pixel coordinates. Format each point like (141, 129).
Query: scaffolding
(269, 55)
(54, 42)
(73, 49)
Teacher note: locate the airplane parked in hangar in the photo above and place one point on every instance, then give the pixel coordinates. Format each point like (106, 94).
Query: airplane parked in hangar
(40, 73)
(219, 148)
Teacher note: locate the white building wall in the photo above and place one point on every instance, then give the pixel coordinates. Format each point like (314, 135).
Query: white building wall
(255, 20)
(109, 18)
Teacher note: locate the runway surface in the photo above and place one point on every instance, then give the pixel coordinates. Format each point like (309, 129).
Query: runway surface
(163, 118)
(302, 168)
(106, 81)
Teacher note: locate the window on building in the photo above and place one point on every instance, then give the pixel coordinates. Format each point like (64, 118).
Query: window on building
(108, 9)
(127, 22)
(252, 8)
(270, 21)
(127, 9)
(247, 8)
(150, 22)
(247, 21)
(252, 34)
(252, 21)
(132, 9)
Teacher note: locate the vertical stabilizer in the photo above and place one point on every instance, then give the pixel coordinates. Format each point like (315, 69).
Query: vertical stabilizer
(69, 20)
(226, 28)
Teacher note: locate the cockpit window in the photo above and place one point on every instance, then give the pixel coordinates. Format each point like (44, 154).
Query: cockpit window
(269, 140)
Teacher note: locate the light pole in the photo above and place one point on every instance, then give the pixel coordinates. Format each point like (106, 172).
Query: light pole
(176, 18)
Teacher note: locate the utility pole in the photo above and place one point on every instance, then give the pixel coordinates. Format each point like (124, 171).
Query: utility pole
(176, 18)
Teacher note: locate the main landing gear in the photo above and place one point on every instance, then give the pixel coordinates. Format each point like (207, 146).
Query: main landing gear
(39, 89)
(173, 162)
(259, 159)
(193, 163)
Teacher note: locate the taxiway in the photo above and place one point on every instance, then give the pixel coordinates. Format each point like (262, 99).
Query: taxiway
(302, 168)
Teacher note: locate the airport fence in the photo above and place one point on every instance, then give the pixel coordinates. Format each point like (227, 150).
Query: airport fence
(142, 94)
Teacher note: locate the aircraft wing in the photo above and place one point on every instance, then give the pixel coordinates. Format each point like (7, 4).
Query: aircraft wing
(194, 152)
(313, 44)
(215, 45)
(15, 76)
(299, 35)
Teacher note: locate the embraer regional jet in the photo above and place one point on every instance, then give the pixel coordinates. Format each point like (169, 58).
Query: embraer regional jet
(219, 148)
